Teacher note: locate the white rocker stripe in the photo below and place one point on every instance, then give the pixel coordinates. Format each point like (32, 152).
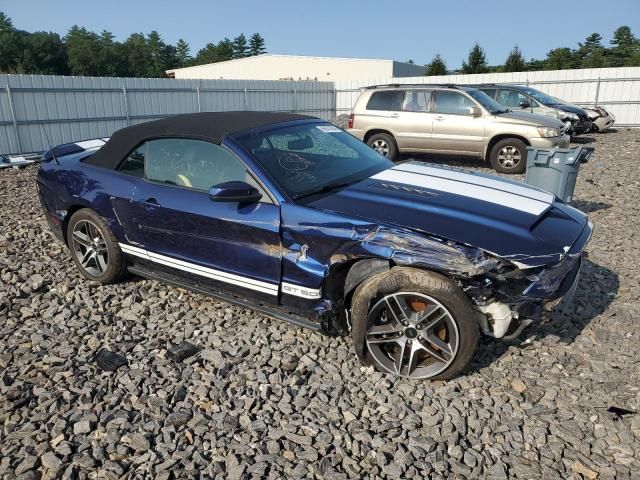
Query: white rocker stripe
(264, 287)
(298, 291)
(473, 179)
(478, 192)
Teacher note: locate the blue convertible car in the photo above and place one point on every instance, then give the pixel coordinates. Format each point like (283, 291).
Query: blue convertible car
(294, 218)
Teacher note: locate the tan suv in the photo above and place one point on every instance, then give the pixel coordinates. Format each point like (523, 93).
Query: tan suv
(449, 119)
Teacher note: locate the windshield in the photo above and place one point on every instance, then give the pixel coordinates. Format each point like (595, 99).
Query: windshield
(311, 158)
(542, 97)
(486, 101)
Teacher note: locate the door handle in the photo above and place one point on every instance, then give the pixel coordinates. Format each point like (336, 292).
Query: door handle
(150, 204)
(439, 118)
(394, 115)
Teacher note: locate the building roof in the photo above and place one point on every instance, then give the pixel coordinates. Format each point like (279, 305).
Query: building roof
(274, 55)
(208, 126)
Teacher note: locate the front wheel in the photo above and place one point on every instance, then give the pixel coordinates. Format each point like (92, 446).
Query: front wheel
(414, 324)
(509, 156)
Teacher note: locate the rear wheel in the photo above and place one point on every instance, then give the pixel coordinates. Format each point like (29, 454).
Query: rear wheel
(509, 156)
(384, 144)
(413, 323)
(94, 248)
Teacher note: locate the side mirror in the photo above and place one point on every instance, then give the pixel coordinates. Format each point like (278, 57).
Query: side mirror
(475, 111)
(240, 192)
(524, 104)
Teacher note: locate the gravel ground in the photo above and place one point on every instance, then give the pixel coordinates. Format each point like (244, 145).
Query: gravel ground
(266, 399)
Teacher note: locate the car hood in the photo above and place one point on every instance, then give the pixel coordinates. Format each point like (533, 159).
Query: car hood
(528, 118)
(505, 218)
(566, 107)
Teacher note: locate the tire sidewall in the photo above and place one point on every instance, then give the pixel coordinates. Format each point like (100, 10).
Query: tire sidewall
(428, 283)
(514, 142)
(116, 260)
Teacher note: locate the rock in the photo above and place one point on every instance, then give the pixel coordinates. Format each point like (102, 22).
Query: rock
(518, 386)
(51, 461)
(578, 467)
(136, 441)
(81, 427)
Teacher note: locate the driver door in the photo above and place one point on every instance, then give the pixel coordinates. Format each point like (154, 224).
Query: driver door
(235, 247)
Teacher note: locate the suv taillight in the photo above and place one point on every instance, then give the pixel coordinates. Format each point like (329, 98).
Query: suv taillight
(351, 118)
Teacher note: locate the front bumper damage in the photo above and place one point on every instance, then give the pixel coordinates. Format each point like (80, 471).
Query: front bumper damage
(507, 301)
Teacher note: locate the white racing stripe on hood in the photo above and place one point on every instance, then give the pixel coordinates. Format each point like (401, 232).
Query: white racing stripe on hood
(475, 179)
(465, 189)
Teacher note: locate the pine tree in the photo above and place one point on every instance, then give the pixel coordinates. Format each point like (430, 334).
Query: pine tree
(591, 52)
(476, 62)
(437, 66)
(256, 45)
(515, 61)
(560, 59)
(240, 48)
(183, 57)
(625, 47)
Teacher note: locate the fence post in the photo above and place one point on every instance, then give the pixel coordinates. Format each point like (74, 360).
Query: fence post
(13, 118)
(198, 95)
(246, 99)
(295, 101)
(597, 91)
(126, 104)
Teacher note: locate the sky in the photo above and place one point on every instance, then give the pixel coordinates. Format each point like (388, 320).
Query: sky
(399, 30)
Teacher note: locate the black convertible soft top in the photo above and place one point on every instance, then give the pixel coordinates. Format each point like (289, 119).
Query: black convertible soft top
(209, 126)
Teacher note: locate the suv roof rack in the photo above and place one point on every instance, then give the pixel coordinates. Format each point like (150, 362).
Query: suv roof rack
(398, 85)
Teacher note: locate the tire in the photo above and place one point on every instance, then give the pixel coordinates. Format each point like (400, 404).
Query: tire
(384, 144)
(90, 240)
(509, 156)
(440, 349)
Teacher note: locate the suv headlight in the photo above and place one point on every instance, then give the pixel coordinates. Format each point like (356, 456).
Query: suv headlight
(571, 116)
(547, 132)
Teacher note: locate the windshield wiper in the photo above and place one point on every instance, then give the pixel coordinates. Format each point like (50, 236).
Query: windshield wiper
(325, 188)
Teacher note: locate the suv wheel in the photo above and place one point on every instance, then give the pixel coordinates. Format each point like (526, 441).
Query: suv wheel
(384, 144)
(509, 156)
(94, 248)
(413, 323)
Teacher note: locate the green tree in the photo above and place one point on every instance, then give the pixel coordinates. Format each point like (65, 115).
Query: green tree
(256, 45)
(476, 62)
(84, 52)
(240, 48)
(560, 59)
(437, 66)
(225, 49)
(183, 57)
(43, 52)
(135, 54)
(624, 47)
(9, 44)
(515, 61)
(591, 53)
(159, 55)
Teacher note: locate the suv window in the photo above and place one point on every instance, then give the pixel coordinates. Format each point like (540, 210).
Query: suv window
(191, 163)
(386, 100)
(490, 91)
(511, 98)
(416, 101)
(453, 103)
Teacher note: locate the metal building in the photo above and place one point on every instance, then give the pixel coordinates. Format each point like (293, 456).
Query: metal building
(293, 67)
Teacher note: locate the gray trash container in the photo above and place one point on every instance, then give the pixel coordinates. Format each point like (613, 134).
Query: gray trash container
(556, 170)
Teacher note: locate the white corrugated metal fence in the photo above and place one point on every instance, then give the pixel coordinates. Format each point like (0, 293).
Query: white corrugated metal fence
(41, 110)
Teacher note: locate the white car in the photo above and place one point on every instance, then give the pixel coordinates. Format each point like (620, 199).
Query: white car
(601, 119)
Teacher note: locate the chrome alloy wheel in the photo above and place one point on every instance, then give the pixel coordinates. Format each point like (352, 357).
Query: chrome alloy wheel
(90, 248)
(412, 335)
(509, 156)
(381, 147)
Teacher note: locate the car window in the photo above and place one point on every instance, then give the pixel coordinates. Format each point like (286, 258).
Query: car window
(386, 100)
(416, 101)
(511, 98)
(489, 91)
(134, 163)
(191, 163)
(453, 103)
(307, 158)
